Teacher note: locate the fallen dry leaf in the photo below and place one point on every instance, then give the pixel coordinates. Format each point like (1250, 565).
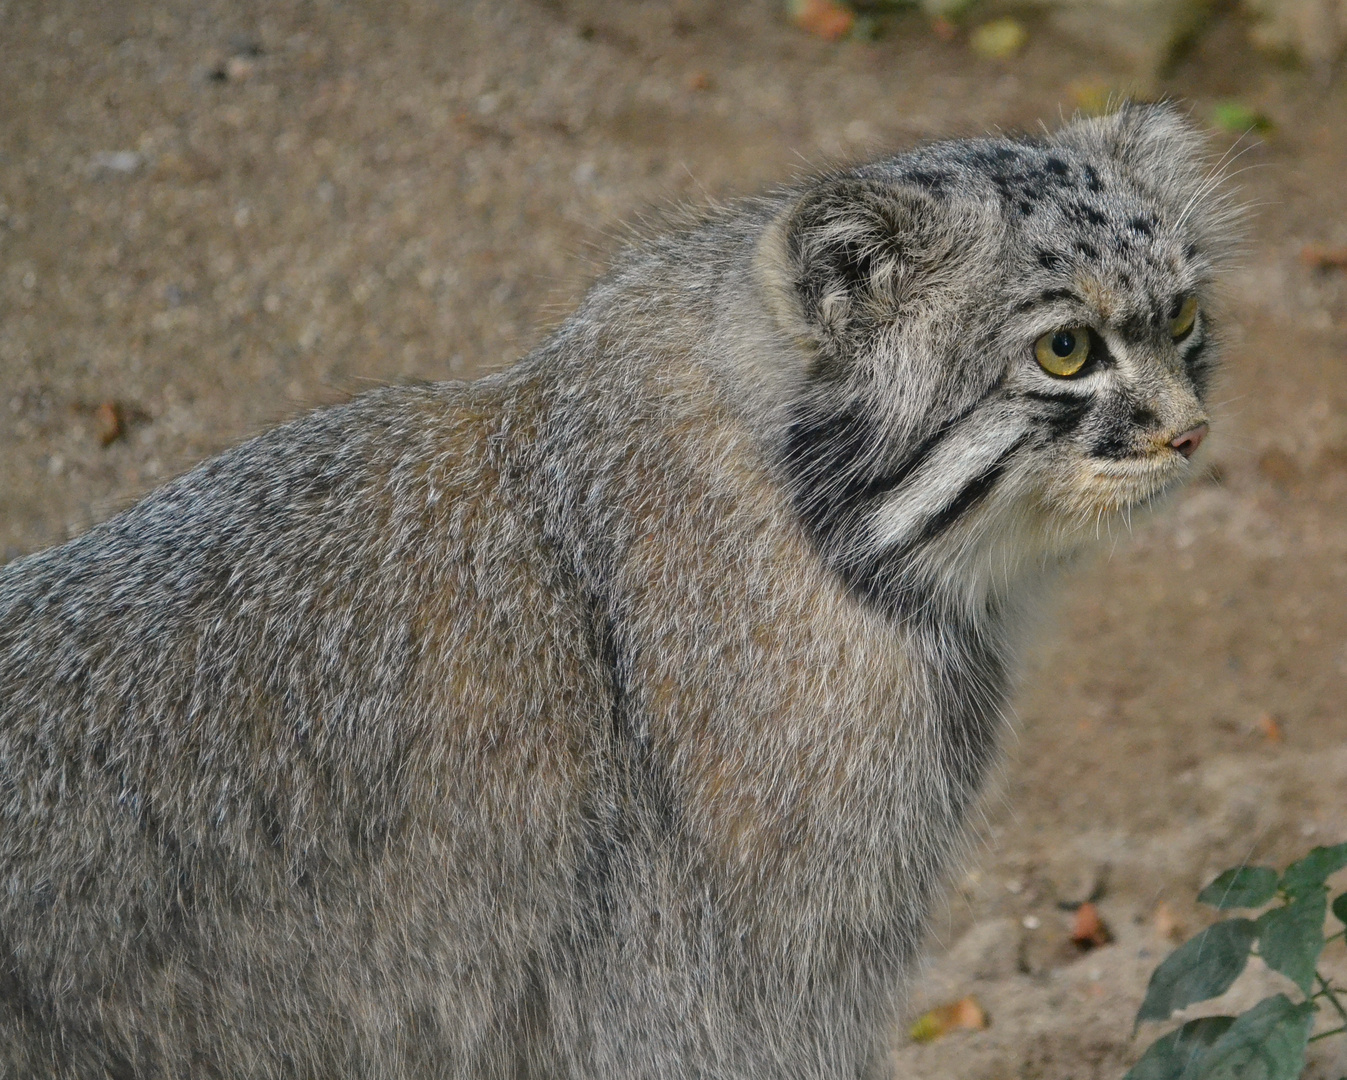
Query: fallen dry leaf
(965, 1014)
(942, 28)
(110, 420)
(822, 18)
(1167, 923)
(1088, 929)
(1317, 257)
(1270, 727)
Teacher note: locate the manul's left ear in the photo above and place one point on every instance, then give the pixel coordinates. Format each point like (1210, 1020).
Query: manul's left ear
(1158, 148)
(1156, 143)
(1153, 134)
(854, 254)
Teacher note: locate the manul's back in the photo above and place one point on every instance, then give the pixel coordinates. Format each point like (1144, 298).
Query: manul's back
(614, 716)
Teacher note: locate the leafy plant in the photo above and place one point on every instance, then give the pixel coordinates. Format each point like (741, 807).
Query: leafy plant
(1269, 1041)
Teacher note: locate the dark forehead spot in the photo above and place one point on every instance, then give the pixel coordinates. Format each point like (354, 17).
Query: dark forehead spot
(1121, 244)
(1190, 251)
(1138, 325)
(1083, 212)
(1092, 180)
(1023, 176)
(1143, 225)
(933, 180)
(1048, 260)
(1049, 296)
(1087, 249)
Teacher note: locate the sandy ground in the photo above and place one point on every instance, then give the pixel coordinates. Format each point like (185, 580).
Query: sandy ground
(217, 214)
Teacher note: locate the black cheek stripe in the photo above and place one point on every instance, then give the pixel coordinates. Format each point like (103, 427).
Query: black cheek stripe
(969, 498)
(824, 455)
(1063, 412)
(904, 470)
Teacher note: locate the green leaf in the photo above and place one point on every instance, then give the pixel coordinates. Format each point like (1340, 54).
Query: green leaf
(1244, 886)
(1266, 1043)
(1234, 116)
(1180, 1052)
(1309, 873)
(1290, 938)
(1202, 967)
(1340, 913)
(999, 39)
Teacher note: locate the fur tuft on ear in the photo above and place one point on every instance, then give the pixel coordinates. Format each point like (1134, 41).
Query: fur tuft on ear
(1155, 138)
(852, 255)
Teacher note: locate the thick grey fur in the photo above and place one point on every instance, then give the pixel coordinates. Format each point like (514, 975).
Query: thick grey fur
(615, 716)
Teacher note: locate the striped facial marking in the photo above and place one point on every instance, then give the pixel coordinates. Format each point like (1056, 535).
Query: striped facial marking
(956, 477)
(870, 519)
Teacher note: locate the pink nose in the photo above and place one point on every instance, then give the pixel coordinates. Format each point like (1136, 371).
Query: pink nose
(1190, 440)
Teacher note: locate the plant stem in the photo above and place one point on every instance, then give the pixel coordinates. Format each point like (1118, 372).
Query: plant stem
(1332, 997)
(1326, 1034)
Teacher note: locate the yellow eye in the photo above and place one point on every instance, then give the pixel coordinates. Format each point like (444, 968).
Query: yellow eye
(1063, 352)
(1181, 325)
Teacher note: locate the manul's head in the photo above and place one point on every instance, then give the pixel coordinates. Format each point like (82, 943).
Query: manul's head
(1000, 341)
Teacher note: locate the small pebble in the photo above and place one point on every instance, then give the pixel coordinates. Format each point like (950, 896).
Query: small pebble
(238, 68)
(123, 162)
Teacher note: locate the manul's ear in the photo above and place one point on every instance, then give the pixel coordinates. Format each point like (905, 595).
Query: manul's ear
(1153, 135)
(1156, 143)
(851, 256)
(1167, 155)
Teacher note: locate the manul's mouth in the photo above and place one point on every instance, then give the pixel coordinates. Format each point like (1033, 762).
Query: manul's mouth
(1138, 478)
(1161, 461)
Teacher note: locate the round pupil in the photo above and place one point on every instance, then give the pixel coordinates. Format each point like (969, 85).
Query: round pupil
(1064, 343)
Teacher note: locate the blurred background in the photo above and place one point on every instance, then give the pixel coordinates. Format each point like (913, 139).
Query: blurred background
(214, 215)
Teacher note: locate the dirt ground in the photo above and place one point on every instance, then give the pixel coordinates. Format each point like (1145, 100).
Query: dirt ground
(215, 214)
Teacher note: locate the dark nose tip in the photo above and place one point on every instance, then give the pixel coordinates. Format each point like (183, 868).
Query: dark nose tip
(1190, 440)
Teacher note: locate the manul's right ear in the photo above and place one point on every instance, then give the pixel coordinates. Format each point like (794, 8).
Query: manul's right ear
(848, 258)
